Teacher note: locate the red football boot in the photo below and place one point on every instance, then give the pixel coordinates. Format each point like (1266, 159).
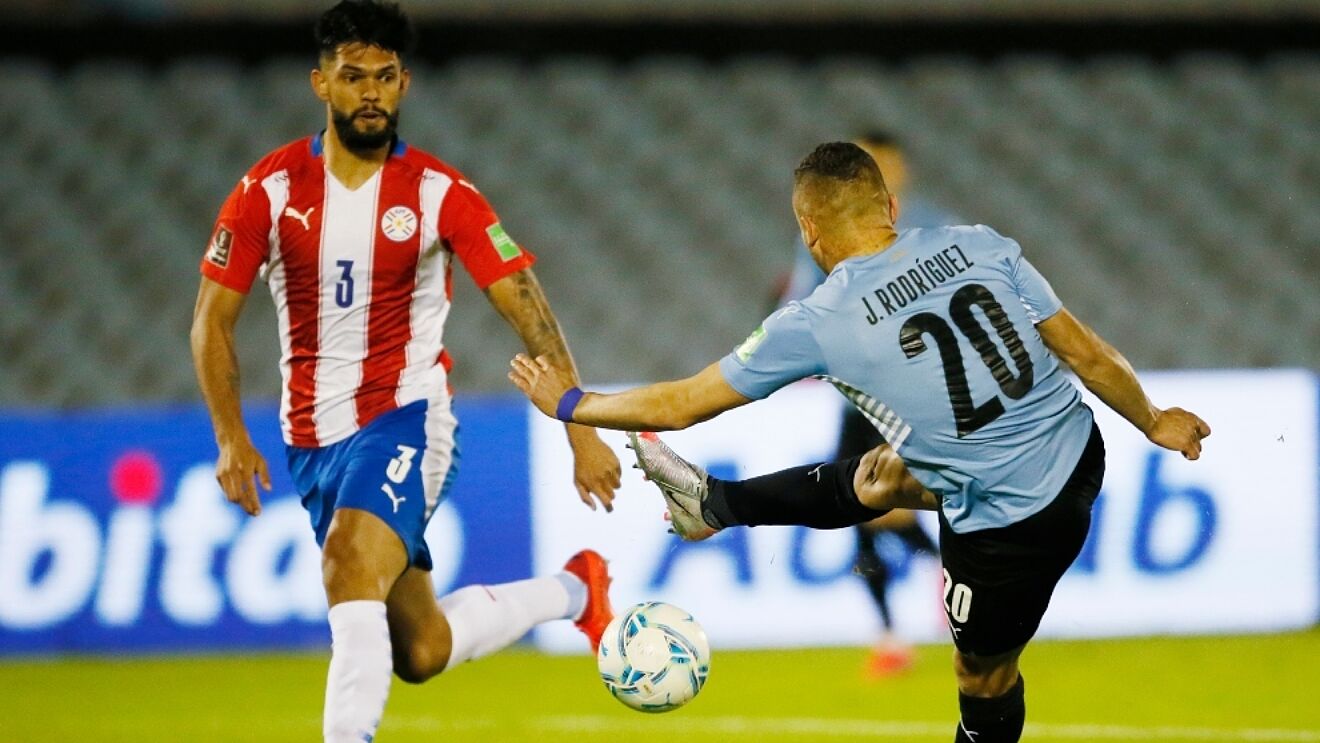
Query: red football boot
(592, 569)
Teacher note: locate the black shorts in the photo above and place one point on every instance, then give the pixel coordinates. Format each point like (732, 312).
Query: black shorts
(998, 582)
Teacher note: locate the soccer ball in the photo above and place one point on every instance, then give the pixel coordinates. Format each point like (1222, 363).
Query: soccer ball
(654, 657)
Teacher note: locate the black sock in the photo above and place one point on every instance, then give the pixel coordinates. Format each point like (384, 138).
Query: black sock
(819, 496)
(994, 720)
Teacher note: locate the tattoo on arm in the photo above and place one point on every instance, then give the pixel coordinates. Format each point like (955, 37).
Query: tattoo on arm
(530, 315)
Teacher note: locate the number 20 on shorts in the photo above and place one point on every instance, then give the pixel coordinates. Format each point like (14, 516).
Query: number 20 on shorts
(957, 599)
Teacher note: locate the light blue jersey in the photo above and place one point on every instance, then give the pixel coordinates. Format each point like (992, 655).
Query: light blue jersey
(935, 342)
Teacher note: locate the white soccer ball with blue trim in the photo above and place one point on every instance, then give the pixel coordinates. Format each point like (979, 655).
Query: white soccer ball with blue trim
(654, 657)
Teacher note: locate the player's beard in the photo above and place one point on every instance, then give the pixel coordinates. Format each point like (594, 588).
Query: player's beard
(360, 141)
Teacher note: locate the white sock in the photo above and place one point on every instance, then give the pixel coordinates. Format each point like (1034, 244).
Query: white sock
(577, 594)
(360, 668)
(485, 619)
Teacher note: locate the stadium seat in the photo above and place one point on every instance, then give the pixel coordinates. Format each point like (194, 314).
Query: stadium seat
(1171, 204)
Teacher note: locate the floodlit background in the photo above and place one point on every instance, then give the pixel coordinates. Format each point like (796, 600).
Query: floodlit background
(1158, 160)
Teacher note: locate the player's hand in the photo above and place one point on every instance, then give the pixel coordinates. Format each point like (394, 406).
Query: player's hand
(596, 469)
(542, 383)
(238, 464)
(1179, 430)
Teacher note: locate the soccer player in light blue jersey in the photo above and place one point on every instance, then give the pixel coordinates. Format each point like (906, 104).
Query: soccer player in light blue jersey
(950, 342)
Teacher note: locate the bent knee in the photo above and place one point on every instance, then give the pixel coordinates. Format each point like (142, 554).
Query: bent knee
(883, 482)
(420, 662)
(986, 676)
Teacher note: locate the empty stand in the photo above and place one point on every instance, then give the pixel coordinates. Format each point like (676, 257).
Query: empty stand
(1172, 205)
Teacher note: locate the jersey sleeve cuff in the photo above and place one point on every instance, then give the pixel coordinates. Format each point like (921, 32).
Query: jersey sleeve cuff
(1040, 316)
(735, 374)
(504, 270)
(225, 278)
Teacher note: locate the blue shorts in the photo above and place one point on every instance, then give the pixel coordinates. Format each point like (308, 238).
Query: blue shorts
(398, 467)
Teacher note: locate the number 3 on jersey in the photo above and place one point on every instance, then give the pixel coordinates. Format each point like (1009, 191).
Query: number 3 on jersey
(966, 413)
(344, 289)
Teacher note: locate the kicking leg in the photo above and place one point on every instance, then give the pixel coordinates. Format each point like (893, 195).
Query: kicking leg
(824, 496)
(419, 632)
(430, 635)
(882, 482)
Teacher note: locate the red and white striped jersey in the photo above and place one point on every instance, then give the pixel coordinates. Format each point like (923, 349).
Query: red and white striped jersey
(361, 279)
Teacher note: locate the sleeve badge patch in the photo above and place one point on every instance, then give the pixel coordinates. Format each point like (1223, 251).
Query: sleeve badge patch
(218, 252)
(504, 245)
(749, 346)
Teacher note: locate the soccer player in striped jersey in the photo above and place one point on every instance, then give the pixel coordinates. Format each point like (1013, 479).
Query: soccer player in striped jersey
(356, 232)
(951, 343)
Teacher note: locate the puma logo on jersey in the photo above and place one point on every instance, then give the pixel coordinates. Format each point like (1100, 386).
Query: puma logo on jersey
(303, 217)
(389, 493)
(247, 183)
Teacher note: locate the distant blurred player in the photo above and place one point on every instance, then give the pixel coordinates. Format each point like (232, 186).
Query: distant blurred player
(950, 341)
(356, 232)
(890, 654)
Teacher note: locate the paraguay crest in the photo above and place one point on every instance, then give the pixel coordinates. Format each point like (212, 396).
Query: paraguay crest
(399, 223)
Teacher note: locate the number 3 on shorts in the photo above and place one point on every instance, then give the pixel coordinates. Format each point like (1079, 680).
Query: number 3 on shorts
(957, 599)
(398, 469)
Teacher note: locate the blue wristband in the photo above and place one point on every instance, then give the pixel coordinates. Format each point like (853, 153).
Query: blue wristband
(568, 403)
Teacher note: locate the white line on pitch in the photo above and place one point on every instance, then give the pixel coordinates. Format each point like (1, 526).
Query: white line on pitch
(761, 726)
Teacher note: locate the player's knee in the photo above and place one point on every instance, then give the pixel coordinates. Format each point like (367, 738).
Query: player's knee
(882, 481)
(985, 676)
(349, 571)
(971, 672)
(420, 661)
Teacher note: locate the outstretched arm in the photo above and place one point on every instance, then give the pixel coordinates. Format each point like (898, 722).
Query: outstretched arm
(213, 354)
(520, 300)
(1108, 374)
(664, 406)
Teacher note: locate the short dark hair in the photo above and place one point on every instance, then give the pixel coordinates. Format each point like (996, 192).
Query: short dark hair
(842, 161)
(369, 22)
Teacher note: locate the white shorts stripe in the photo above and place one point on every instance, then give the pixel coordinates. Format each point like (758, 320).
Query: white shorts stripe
(441, 427)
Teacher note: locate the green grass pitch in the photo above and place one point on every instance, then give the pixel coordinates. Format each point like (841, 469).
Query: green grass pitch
(1263, 688)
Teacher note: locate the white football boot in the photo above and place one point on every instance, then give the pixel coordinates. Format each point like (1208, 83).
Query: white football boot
(682, 483)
